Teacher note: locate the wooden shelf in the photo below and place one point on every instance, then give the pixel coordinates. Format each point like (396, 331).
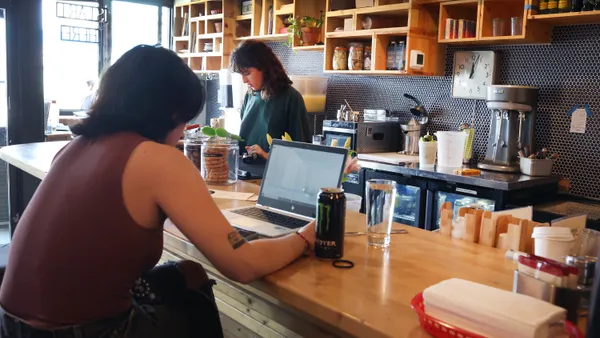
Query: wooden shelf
(285, 12)
(209, 36)
(244, 17)
(367, 72)
(181, 38)
(204, 54)
(385, 9)
(310, 48)
(368, 32)
(565, 19)
(459, 41)
(272, 37)
(212, 17)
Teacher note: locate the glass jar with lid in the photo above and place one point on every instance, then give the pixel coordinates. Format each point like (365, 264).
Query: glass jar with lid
(192, 145)
(219, 160)
(355, 56)
(367, 58)
(340, 58)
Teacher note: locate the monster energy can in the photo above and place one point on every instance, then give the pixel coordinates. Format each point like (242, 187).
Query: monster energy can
(331, 223)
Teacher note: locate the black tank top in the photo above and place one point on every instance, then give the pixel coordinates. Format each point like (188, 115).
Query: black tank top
(76, 251)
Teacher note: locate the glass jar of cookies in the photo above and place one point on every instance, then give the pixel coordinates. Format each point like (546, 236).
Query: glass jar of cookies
(192, 146)
(219, 161)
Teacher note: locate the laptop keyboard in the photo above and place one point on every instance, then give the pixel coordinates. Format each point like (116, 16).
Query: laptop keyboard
(271, 217)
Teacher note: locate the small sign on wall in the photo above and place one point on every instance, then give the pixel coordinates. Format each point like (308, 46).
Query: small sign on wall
(579, 115)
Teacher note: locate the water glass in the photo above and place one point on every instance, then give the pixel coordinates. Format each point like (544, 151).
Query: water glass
(516, 25)
(317, 139)
(498, 27)
(381, 200)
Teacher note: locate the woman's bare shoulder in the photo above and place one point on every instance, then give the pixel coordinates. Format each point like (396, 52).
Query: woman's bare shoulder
(152, 157)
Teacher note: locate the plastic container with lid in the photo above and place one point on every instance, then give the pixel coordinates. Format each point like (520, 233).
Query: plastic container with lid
(313, 90)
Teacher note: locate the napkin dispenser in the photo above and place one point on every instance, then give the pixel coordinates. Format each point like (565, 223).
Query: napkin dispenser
(569, 299)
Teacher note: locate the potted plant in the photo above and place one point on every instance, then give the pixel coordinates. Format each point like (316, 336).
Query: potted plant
(307, 29)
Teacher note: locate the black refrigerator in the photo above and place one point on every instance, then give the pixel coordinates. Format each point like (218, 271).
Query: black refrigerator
(410, 197)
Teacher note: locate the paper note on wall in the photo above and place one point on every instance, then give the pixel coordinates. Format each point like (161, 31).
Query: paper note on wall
(578, 121)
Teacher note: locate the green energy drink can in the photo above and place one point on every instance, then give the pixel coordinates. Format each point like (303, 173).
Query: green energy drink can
(331, 223)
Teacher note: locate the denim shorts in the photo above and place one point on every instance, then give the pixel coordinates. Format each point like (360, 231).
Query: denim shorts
(162, 306)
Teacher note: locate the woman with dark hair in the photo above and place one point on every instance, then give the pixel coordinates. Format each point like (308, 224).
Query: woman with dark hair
(272, 105)
(94, 225)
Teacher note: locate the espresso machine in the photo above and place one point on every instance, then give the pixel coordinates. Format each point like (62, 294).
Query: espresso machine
(513, 110)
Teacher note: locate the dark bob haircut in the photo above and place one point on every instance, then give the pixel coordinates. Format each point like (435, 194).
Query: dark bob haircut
(255, 54)
(149, 91)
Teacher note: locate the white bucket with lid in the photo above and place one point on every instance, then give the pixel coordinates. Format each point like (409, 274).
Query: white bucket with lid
(353, 202)
(552, 242)
(451, 148)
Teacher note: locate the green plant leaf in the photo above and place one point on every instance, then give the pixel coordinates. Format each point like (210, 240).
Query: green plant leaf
(208, 131)
(221, 132)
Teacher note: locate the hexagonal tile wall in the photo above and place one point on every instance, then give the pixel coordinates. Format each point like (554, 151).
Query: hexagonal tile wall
(566, 71)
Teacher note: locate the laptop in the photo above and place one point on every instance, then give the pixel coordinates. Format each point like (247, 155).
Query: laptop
(294, 174)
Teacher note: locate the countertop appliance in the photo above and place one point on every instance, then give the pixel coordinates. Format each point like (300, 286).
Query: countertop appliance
(365, 137)
(513, 110)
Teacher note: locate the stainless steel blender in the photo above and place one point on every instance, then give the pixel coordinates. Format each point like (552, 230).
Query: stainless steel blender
(512, 126)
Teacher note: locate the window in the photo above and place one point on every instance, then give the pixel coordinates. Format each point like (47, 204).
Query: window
(134, 24)
(68, 65)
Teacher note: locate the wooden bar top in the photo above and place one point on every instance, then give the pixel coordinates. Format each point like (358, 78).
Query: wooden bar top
(370, 300)
(373, 298)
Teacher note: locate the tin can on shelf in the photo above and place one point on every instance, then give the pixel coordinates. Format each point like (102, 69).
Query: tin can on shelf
(331, 223)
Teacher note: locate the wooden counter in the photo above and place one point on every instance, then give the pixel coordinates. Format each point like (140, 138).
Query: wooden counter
(372, 299)
(310, 298)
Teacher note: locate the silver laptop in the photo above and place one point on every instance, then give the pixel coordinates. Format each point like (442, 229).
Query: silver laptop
(294, 174)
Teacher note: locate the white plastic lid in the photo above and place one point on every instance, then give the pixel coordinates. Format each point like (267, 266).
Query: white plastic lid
(552, 231)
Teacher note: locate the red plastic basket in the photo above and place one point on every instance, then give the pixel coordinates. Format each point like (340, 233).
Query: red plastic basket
(439, 329)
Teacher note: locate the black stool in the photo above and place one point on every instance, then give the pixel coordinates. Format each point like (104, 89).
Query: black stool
(3, 259)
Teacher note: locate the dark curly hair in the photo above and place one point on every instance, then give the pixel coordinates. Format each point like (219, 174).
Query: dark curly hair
(149, 91)
(256, 54)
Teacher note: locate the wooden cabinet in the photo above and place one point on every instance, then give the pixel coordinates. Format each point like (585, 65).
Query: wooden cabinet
(268, 20)
(203, 33)
(483, 13)
(376, 26)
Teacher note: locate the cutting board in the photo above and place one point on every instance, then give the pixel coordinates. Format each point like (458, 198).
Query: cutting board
(390, 158)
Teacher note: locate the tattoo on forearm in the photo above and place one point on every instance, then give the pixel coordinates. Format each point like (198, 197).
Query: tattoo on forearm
(236, 240)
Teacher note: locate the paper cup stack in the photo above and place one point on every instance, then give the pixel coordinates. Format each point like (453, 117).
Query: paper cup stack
(552, 242)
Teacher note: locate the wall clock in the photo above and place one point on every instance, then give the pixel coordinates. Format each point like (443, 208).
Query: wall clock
(473, 71)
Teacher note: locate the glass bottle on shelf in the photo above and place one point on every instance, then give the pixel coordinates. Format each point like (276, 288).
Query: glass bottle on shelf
(576, 5)
(552, 6)
(399, 64)
(543, 7)
(391, 56)
(564, 6)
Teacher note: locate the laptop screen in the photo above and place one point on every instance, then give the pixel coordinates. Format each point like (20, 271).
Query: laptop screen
(296, 172)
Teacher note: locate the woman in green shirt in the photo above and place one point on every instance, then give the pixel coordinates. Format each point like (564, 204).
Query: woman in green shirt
(272, 106)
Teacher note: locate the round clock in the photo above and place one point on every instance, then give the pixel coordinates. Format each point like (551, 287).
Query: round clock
(473, 71)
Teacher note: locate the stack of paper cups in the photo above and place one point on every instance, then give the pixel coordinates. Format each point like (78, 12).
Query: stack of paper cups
(427, 151)
(552, 242)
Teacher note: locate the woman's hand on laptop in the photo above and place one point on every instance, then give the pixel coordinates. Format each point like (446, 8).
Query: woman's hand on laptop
(309, 233)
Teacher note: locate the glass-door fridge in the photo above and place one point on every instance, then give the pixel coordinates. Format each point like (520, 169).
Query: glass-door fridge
(410, 197)
(460, 195)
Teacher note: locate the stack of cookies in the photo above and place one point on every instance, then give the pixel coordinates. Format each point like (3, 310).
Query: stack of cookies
(215, 168)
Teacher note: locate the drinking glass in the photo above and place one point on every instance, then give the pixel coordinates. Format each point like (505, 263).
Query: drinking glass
(498, 27)
(381, 200)
(317, 139)
(516, 25)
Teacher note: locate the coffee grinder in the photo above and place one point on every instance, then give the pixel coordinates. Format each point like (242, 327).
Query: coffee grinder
(513, 110)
